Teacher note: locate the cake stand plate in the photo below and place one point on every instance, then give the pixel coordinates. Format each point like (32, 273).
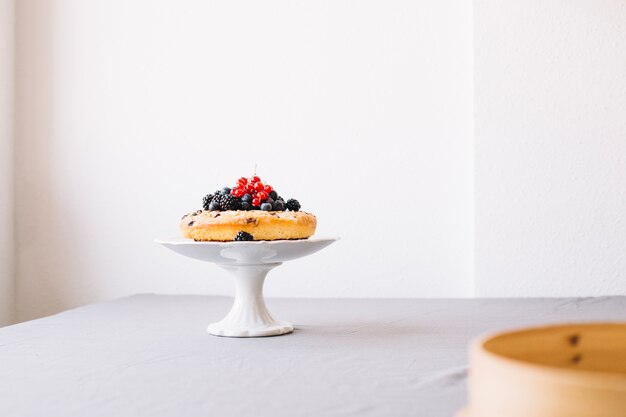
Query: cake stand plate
(248, 263)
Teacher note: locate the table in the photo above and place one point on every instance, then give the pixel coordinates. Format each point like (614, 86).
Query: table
(149, 355)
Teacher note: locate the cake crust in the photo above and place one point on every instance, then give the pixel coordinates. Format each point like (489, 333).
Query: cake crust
(223, 226)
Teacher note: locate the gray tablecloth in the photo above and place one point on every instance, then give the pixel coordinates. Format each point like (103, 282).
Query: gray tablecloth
(149, 355)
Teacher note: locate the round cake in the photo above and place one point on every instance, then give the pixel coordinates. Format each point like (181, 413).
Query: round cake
(224, 226)
(250, 210)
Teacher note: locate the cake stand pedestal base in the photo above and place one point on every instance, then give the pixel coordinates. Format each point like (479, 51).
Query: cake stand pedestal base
(249, 317)
(249, 263)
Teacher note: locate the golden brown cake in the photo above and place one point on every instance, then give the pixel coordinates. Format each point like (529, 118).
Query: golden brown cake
(250, 210)
(204, 225)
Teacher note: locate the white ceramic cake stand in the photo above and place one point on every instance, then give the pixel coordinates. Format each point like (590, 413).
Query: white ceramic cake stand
(249, 263)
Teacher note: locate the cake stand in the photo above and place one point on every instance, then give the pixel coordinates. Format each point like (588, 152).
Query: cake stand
(249, 263)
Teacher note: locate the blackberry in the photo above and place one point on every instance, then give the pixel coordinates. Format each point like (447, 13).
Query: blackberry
(206, 201)
(279, 198)
(217, 196)
(292, 204)
(243, 237)
(229, 202)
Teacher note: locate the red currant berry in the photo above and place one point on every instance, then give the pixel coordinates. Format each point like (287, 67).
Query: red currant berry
(262, 195)
(249, 189)
(256, 202)
(237, 192)
(259, 186)
(242, 181)
(268, 189)
(255, 179)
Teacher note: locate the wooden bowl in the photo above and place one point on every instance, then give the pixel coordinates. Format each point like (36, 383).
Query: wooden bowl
(573, 370)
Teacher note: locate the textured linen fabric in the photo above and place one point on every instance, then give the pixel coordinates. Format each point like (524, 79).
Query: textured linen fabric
(149, 355)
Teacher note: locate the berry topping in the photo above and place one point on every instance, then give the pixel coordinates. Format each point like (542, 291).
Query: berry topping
(292, 204)
(248, 194)
(278, 205)
(229, 202)
(243, 237)
(206, 201)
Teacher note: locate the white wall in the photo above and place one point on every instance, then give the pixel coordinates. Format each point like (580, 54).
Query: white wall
(129, 112)
(550, 137)
(7, 279)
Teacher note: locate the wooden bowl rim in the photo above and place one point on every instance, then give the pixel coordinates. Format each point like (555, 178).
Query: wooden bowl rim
(587, 377)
